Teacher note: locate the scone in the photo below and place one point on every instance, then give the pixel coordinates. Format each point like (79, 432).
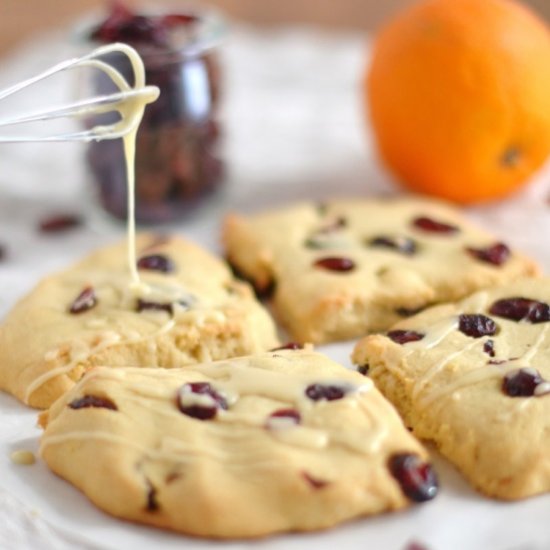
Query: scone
(474, 378)
(285, 441)
(88, 315)
(342, 269)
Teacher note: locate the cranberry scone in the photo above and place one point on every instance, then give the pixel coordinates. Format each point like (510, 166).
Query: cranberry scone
(282, 441)
(474, 378)
(345, 268)
(187, 308)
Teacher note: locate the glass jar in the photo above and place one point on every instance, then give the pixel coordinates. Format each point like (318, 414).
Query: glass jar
(178, 160)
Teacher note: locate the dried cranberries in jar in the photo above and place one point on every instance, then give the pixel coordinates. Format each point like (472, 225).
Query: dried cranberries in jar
(178, 160)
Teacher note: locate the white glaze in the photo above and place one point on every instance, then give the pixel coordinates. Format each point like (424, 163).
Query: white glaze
(235, 382)
(480, 374)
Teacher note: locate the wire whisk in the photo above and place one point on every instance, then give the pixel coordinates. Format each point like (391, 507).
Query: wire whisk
(120, 101)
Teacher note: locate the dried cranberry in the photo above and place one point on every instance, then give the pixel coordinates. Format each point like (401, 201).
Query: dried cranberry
(265, 292)
(152, 502)
(123, 25)
(318, 392)
(192, 406)
(496, 254)
(93, 401)
(489, 348)
(363, 369)
(144, 305)
(404, 245)
(476, 325)
(417, 479)
(521, 382)
(415, 546)
(84, 301)
(404, 336)
(58, 223)
(290, 345)
(156, 262)
(290, 416)
(177, 19)
(434, 226)
(335, 264)
(119, 14)
(313, 481)
(521, 309)
(141, 29)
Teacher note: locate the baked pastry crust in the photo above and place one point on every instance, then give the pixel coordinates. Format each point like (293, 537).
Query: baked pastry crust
(137, 444)
(206, 314)
(461, 391)
(390, 262)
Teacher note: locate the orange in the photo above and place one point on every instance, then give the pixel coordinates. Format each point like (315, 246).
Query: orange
(459, 97)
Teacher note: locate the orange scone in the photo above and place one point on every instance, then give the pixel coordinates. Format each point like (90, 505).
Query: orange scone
(285, 441)
(188, 308)
(347, 267)
(474, 378)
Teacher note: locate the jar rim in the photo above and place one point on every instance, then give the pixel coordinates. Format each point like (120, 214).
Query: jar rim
(210, 29)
